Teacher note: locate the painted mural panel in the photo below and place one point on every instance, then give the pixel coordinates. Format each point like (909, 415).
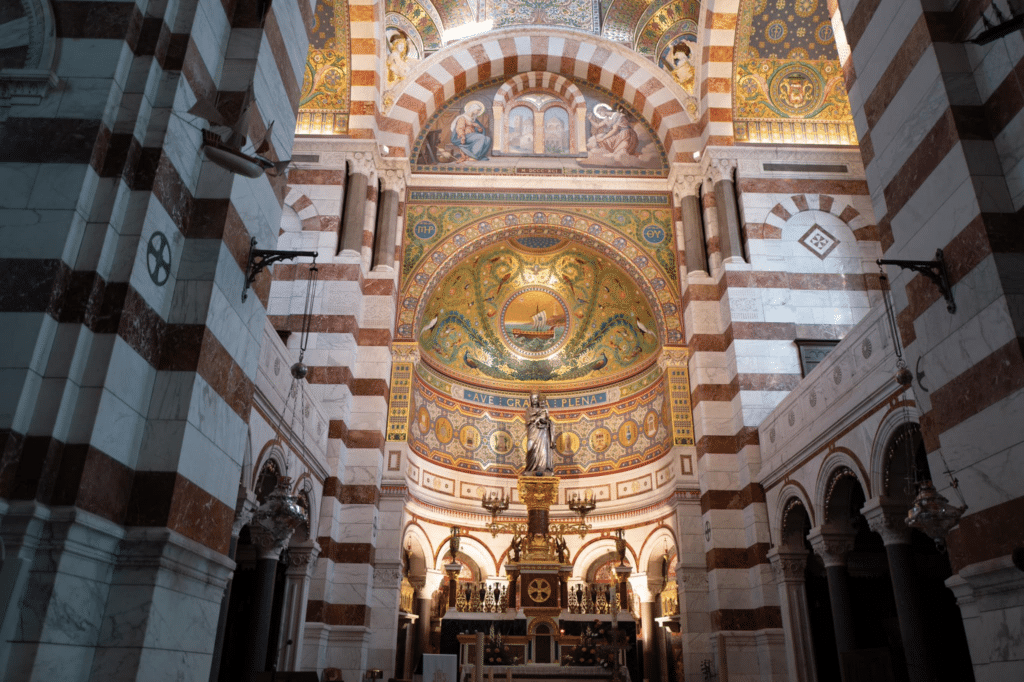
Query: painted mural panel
(467, 428)
(538, 309)
(446, 228)
(325, 100)
(479, 133)
(789, 85)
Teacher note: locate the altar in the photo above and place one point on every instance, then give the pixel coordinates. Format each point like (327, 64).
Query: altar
(537, 672)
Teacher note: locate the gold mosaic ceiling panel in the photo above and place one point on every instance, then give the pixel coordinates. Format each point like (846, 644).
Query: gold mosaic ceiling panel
(542, 311)
(788, 83)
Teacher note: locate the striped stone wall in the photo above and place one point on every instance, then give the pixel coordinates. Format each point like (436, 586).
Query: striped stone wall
(348, 625)
(938, 121)
(718, 31)
(741, 321)
(131, 357)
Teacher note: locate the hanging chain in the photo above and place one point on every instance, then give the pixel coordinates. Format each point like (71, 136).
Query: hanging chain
(890, 315)
(307, 309)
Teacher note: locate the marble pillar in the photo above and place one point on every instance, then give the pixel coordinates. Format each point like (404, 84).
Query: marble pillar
(645, 591)
(384, 236)
(887, 519)
(686, 194)
(728, 212)
(834, 546)
(301, 561)
(789, 567)
(271, 529)
(709, 212)
(354, 216)
(244, 510)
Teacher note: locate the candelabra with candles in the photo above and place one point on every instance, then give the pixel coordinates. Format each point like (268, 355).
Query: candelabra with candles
(582, 505)
(495, 503)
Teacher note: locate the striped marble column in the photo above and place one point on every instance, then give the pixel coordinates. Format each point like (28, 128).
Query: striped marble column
(939, 121)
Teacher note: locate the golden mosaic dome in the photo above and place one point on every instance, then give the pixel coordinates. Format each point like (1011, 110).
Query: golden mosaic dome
(540, 311)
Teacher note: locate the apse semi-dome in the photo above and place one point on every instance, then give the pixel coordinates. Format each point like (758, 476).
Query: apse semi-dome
(538, 312)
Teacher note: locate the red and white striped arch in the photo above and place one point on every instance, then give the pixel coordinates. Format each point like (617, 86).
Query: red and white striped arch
(573, 56)
(539, 79)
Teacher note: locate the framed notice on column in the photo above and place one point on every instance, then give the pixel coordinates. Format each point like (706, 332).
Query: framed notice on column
(440, 668)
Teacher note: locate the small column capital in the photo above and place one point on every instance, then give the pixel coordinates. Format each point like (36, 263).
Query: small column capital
(788, 566)
(245, 508)
(887, 517)
(686, 186)
(405, 352)
(432, 582)
(832, 545)
(394, 178)
(645, 586)
(302, 557)
(721, 169)
(363, 163)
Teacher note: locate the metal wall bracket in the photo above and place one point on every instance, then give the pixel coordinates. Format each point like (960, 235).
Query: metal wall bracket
(935, 270)
(261, 258)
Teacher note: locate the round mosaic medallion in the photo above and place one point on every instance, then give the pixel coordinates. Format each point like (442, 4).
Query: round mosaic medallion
(567, 443)
(824, 34)
(628, 433)
(796, 89)
(501, 442)
(651, 424)
(600, 439)
(775, 31)
(424, 229)
(535, 321)
(423, 419)
(469, 437)
(805, 8)
(443, 430)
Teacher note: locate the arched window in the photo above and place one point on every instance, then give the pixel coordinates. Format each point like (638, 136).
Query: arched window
(539, 114)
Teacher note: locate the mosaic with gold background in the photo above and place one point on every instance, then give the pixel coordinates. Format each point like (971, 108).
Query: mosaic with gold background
(633, 232)
(542, 310)
(325, 99)
(789, 85)
(459, 426)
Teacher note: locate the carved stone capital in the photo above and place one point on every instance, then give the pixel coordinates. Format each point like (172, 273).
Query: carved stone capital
(363, 162)
(788, 566)
(672, 358)
(833, 546)
(245, 508)
(394, 178)
(387, 576)
(405, 352)
(722, 169)
(686, 186)
(887, 518)
(646, 586)
(432, 582)
(304, 555)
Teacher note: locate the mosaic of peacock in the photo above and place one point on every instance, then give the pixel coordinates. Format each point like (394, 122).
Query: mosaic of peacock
(460, 426)
(538, 310)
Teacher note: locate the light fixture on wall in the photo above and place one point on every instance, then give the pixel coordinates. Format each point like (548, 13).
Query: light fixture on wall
(495, 503)
(933, 514)
(582, 505)
(930, 512)
(935, 270)
(261, 258)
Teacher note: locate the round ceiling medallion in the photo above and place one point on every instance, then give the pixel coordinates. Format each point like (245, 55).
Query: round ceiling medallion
(535, 322)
